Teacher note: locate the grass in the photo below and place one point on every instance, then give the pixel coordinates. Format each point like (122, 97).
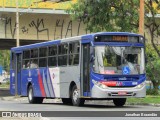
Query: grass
(147, 100)
(4, 85)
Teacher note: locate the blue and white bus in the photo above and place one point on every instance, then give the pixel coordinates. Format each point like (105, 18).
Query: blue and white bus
(98, 66)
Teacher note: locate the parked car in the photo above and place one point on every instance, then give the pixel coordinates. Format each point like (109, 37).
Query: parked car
(5, 80)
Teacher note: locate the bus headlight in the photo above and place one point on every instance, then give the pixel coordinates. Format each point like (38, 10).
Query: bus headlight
(99, 84)
(102, 86)
(140, 85)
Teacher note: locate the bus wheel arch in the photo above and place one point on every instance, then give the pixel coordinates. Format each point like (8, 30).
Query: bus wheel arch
(29, 84)
(72, 84)
(69, 100)
(74, 95)
(30, 94)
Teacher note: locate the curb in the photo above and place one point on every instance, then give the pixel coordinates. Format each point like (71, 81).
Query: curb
(144, 104)
(9, 98)
(4, 88)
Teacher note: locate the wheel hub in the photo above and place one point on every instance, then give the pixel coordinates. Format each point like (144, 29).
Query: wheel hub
(75, 95)
(30, 94)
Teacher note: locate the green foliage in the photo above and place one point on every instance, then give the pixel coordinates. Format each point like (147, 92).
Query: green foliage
(152, 23)
(152, 92)
(8, 83)
(153, 68)
(151, 53)
(107, 15)
(147, 100)
(5, 85)
(5, 59)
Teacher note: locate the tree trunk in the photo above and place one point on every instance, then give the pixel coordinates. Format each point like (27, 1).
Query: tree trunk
(155, 86)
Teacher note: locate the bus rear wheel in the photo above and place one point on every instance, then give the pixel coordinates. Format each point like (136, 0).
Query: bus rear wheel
(31, 98)
(119, 101)
(76, 101)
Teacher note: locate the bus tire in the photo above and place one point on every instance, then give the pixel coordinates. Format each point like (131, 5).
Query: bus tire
(76, 101)
(67, 101)
(31, 98)
(119, 102)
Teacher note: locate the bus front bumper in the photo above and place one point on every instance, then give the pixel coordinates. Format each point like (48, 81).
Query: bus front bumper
(110, 92)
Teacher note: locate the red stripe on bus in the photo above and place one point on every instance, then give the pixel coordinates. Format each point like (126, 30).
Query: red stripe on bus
(109, 83)
(41, 85)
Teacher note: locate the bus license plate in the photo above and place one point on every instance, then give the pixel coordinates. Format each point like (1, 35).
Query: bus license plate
(122, 93)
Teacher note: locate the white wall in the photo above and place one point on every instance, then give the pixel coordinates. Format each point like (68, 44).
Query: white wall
(40, 26)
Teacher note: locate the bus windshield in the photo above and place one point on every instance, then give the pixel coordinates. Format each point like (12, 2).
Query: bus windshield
(119, 60)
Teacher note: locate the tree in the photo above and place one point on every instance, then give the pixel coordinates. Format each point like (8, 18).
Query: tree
(152, 68)
(5, 59)
(153, 52)
(152, 23)
(117, 15)
(107, 15)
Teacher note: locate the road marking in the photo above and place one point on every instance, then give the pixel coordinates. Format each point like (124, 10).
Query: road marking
(44, 118)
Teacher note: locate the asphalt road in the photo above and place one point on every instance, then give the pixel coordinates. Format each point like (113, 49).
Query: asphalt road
(21, 104)
(94, 109)
(4, 92)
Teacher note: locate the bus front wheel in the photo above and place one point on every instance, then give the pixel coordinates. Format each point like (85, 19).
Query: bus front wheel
(31, 97)
(76, 101)
(119, 101)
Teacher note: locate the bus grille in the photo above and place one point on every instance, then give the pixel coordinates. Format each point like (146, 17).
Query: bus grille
(116, 94)
(122, 86)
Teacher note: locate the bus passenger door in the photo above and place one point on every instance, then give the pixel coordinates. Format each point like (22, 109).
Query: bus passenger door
(85, 70)
(18, 67)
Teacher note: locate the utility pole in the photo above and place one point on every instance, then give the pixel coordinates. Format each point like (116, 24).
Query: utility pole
(17, 44)
(17, 23)
(141, 18)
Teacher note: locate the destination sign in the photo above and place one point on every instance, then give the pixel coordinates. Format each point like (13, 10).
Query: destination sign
(120, 38)
(116, 38)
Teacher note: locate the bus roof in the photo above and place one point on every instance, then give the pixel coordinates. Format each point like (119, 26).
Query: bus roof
(87, 36)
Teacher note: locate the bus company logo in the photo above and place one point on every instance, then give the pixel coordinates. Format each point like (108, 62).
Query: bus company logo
(119, 84)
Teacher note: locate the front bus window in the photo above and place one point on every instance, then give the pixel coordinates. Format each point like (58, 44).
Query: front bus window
(119, 60)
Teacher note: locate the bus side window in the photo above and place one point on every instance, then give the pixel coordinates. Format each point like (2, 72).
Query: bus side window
(26, 64)
(74, 53)
(62, 54)
(34, 53)
(52, 50)
(43, 57)
(26, 59)
(34, 63)
(34, 58)
(52, 55)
